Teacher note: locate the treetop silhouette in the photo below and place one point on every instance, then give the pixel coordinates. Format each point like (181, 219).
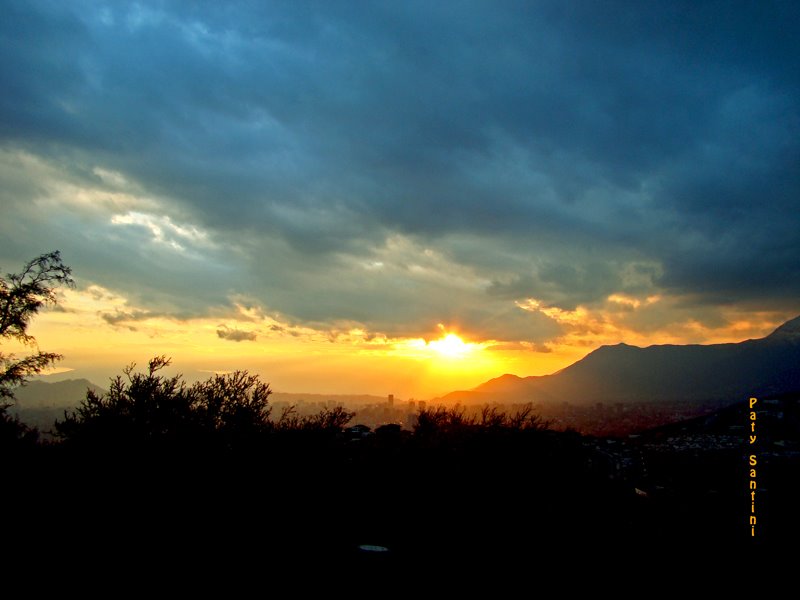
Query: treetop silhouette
(230, 411)
(22, 295)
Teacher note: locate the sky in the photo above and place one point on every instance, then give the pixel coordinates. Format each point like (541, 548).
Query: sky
(400, 197)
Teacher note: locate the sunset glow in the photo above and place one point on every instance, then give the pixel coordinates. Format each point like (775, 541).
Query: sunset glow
(384, 285)
(345, 213)
(99, 332)
(452, 346)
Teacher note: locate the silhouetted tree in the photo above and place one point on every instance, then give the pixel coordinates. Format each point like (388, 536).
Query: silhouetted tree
(328, 419)
(21, 296)
(233, 408)
(226, 411)
(441, 420)
(139, 408)
(14, 433)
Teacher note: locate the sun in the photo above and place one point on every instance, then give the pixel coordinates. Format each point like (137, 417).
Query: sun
(451, 346)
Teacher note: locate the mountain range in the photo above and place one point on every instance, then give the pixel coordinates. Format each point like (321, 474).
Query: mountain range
(60, 395)
(40, 403)
(623, 373)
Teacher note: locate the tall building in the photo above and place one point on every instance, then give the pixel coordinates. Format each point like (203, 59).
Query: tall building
(391, 400)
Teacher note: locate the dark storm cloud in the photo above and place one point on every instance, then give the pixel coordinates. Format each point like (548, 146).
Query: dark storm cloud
(569, 143)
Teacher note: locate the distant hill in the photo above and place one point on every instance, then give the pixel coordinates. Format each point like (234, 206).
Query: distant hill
(623, 373)
(40, 403)
(60, 394)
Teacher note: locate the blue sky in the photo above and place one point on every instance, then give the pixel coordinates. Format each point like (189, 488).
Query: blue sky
(514, 170)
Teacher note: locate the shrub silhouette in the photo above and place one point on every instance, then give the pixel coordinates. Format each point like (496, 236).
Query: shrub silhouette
(450, 424)
(230, 411)
(140, 408)
(233, 409)
(14, 434)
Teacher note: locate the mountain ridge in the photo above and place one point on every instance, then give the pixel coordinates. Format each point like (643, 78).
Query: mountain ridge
(67, 393)
(660, 372)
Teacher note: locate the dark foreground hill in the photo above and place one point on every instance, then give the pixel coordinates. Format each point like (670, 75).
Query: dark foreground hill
(158, 478)
(448, 494)
(161, 479)
(623, 373)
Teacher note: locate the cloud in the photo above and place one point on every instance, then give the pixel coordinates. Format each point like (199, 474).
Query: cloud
(404, 164)
(524, 346)
(55, 371)
(123, 316)
(235, 335)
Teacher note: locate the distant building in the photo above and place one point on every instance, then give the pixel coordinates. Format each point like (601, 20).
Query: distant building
(391, 400)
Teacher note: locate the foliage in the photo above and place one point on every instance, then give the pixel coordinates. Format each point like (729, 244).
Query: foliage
(22, 295)
(138, 407)
(231, 411)
(15, 434)
(236, 404)
(455, 420)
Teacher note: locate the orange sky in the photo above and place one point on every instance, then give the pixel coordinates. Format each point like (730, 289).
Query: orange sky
(302, 359)
(320, 200)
